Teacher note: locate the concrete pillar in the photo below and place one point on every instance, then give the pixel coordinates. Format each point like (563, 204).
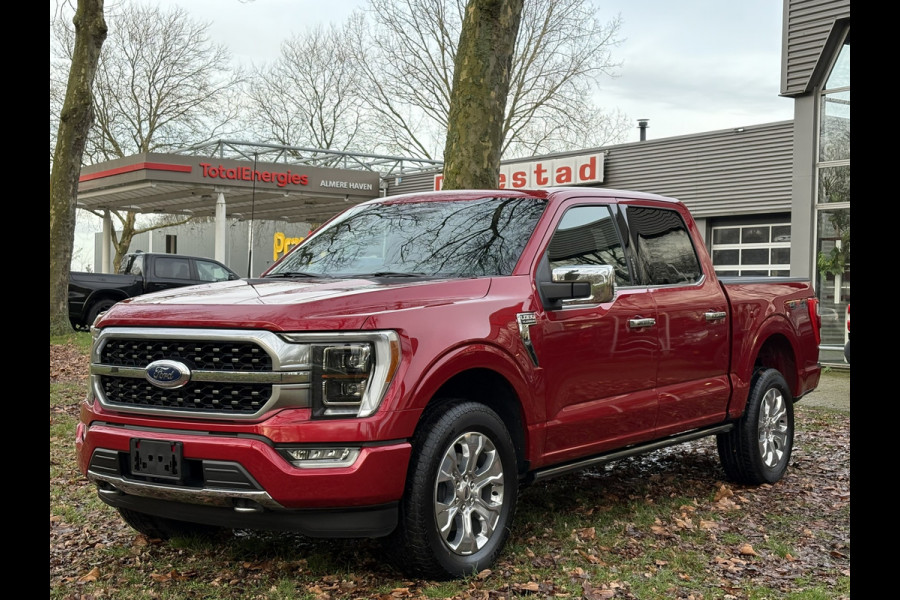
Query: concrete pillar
(220, 229)
(106, 244)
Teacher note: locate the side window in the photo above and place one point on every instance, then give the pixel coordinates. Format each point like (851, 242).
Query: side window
(210, 271)
(172, 268)
(665, 252)
(135, 266)
(587, 235)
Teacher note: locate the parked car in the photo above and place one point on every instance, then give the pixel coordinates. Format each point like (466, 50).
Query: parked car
(847, 336)
(141, 272)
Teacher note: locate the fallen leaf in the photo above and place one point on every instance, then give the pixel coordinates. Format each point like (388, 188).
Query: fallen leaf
(592, 593)
(92, 575)
(588, 533)
(722, 492)
(747, 550)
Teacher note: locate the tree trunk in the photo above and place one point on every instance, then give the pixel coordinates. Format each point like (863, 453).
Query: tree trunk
(75, 122)
(480, 88)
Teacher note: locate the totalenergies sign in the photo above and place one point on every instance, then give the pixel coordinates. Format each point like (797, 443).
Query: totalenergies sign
(242, 173)
(282, 244)
(571, 170)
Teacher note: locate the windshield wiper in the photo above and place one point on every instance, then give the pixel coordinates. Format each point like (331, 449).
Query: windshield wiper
(389, 274)
(287, 274)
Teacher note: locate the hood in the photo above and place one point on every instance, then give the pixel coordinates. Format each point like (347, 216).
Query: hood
(289, 304)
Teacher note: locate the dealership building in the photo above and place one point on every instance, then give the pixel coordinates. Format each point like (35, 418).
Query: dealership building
(770, 199)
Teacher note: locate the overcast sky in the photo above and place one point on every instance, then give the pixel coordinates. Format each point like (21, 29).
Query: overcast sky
(689, 66)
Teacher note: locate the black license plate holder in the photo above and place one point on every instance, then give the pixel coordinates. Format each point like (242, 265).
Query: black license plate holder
(157, 458)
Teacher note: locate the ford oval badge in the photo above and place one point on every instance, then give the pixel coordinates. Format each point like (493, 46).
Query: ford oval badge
(167, 374)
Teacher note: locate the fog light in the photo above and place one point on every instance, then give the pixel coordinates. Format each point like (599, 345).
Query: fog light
(319, 458)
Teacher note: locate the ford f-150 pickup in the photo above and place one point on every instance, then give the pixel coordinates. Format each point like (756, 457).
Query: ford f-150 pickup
(142, 272)
(414, 362)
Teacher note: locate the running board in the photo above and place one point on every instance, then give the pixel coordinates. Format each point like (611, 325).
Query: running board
(548, 472)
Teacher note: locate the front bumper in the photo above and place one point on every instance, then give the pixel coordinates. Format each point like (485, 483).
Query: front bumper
(243, 482)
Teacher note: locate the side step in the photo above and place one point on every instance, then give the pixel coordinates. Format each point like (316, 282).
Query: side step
(598, 459)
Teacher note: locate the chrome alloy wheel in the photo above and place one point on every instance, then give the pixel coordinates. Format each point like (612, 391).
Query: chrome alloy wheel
(773, 428)
(468, 493)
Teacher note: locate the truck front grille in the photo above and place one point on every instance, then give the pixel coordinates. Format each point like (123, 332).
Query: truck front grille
(219, 397)
(232, 374)
(197, 354)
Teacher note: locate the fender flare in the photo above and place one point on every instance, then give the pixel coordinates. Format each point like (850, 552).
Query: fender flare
(774, 327)
(525, 383)
(97, 296)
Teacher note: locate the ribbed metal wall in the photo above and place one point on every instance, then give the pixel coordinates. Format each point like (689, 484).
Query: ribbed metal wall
(807, 24)
(726, 172)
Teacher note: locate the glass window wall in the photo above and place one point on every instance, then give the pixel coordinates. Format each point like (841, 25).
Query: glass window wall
(833, 207)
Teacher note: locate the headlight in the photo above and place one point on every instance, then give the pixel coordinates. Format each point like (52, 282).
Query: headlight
(350, 373)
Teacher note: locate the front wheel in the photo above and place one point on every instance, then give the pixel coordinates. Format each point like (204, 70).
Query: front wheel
(461, 493)
(758, 449)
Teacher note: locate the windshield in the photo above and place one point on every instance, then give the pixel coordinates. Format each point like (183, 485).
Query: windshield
(452, 238)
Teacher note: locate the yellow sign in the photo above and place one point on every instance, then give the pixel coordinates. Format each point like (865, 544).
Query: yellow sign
(282, 244)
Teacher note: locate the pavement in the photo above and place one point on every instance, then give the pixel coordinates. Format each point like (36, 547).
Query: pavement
(833, 390)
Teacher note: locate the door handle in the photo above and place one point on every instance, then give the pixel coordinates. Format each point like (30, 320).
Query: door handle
(639, 322)
(714, 315)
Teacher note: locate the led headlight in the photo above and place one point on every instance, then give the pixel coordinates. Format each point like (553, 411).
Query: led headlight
(350, 373)
(320, 458)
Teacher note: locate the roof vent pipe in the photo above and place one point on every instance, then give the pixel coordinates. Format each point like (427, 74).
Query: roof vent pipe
(642, 125)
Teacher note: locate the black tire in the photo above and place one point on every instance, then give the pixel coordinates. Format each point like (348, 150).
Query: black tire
(847, 352)
(96, 308)
(456, 513)
(163, 528)
(759, 447)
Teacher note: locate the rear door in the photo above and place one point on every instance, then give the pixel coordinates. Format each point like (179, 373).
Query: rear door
(692, 320)
(169, 272)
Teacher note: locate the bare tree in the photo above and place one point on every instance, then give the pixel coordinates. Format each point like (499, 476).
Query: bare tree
(562, 53)
(480, 90)
(407, 50)
(76, 116)
(161, 85)
(310, 95)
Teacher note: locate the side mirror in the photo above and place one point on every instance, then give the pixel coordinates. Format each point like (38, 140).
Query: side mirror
(581, 284)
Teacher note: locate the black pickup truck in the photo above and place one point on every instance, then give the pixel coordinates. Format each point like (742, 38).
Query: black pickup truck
(142, 272)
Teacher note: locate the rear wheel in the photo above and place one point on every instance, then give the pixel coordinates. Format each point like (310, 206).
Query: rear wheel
(461, 492)
(164, 528)
(758, 449)
(100, 306)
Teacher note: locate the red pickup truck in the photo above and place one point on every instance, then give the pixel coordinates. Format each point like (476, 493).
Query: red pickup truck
(405, 370)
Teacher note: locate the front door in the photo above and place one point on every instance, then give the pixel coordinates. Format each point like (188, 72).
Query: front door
(599, 360)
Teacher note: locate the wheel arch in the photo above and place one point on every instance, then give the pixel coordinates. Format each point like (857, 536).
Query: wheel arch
(773, 347)
(489, 376)
(112, 296)
(491, 389)
(91, 301)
